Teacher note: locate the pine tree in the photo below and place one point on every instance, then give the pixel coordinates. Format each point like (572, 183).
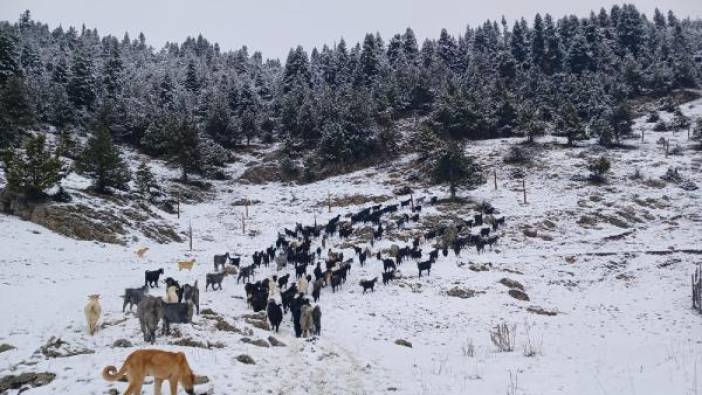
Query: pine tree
(9, 65)
(538, 43)
(81, 85)
(569, 122)
(191, 80)
(15, 110)
(32, 171)
(102, 161)
(621, 121)
(185, 146)
(454, 168)
(680, 120)
(144, 181)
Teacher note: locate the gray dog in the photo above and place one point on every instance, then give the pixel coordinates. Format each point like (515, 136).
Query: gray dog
(150, 311)
(191, 294)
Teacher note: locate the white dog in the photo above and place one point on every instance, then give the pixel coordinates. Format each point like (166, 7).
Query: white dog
(92, 313)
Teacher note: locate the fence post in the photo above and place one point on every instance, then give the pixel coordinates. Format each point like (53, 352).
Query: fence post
(190, 234)
(667, 146)
(243, 225)
(178, 204)
(246, 206)
(524, 189)
(642, 135)
(329, 201)
(494, 173)
(411, 202)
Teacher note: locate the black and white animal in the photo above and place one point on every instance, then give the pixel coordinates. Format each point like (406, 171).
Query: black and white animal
(150, 312)
(191, 293)
(317, 317)
(275, 314)
(133, 296)
(388, 264)
(151, 277)
(424, 266)
(368, 284)
(287, 297)
(283, 281)
(213, 279)
(220, 260)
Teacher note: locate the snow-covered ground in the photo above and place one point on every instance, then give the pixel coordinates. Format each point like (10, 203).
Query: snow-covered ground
(624, 322)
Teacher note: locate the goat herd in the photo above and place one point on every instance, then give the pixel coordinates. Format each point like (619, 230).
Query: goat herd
(277, 294)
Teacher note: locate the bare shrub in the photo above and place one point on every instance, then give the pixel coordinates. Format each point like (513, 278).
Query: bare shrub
(533, 346)
(503, 336)
(468, 348)
(512, 386)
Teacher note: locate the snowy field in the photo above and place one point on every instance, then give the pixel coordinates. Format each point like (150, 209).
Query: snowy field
(613, 261)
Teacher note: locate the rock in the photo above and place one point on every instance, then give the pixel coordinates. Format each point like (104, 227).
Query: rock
(260, 324)
(245, 359)
(482, 267)
(530, 232)
(122, 343)
(403, 342)
(208, 311)
(223, 325)
(541, 311)
(260, 343)
(275, 342)
(33, 380)
(57, 348)
(462, 293)
(514, 284)
(113, 391)
(517, 294)
(403, 190)
(6, 347)
(199, 380)
(188, 342)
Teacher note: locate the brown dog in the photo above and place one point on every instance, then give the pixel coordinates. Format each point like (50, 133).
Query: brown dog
(161, 365)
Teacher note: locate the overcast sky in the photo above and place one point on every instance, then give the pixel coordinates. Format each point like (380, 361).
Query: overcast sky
(273, 27)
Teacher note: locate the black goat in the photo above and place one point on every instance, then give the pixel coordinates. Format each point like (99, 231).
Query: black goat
(133, 296)
(388, 276)
(368, 284)
(220, 260)
(245, 273)
(151, 277)
(275, 314)
(424, 266)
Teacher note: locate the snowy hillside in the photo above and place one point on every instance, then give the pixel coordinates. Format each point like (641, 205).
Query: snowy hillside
(611, 265)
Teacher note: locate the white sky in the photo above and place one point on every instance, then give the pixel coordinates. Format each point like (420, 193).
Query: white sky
(273, 27)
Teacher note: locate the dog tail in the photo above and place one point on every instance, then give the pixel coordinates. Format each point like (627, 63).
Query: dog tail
(110, 373)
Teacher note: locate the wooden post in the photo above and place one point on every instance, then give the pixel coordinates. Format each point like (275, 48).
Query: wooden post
(667, 145)
(411, 202)
(688, 132)
(494, 173)
(329, 201)
(190, 234)
(178, 204)
(243, 225)
(315, 220)
(642, 135)
(524, 189)
(246, 207)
